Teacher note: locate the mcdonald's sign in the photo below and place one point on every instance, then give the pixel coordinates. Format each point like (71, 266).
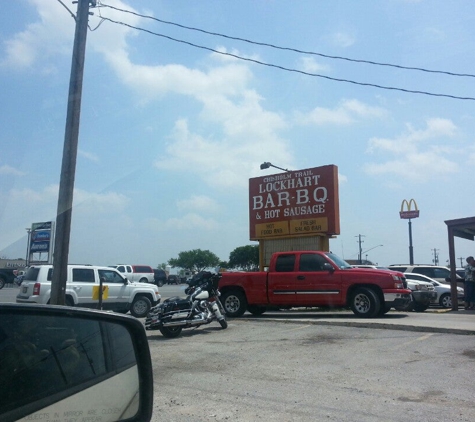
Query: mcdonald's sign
(409, 213)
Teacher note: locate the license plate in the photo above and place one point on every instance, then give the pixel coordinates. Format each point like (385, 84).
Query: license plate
(24, 290)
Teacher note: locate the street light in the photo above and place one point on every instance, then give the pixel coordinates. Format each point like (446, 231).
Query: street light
(370, 249)
(266, 165)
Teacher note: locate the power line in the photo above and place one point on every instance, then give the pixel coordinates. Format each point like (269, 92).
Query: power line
(67, 8)
(391, 88)
(420, 69)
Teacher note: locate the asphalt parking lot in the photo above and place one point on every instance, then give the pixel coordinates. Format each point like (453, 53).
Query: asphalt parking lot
(302, 366)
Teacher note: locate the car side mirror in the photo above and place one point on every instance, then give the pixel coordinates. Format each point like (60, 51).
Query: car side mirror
(63, 363)
(328, 267)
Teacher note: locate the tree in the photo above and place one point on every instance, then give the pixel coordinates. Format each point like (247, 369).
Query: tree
(162, 266)
(195, 261)
(245, 258)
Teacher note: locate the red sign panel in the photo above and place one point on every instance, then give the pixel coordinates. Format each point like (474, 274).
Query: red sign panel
(295, 203)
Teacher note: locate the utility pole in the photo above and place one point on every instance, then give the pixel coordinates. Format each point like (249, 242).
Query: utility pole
(70, 148)
(461, 261)
(359, 247)
(436, 257)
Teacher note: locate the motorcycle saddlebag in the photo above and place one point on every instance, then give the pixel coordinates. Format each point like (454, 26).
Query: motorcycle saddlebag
(176, 304)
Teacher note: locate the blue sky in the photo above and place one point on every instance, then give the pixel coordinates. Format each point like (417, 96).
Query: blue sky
(170, 133)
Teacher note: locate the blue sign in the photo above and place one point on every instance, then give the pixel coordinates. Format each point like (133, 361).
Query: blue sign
(39, 246)
(40, 236)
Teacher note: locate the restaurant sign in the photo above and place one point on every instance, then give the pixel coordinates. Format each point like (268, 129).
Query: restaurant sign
(295, 203)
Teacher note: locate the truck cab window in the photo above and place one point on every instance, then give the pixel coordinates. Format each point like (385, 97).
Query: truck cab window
(285, 263)
(311, 262)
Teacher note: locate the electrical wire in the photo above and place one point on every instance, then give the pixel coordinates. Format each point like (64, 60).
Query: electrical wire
(420, 69)
(391, 88)
(67, 8)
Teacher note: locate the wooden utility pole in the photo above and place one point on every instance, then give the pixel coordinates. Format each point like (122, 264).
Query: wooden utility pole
(68, 167)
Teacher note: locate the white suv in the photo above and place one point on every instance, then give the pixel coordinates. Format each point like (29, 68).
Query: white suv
(82, 289)
(438, 273)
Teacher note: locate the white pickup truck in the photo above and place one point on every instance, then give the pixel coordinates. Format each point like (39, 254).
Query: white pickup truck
(82, 288)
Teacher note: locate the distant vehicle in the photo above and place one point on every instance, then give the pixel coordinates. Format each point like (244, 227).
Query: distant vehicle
(436, 272)
(7, 276)
(443, 290)
(160, 277)
(140, 273)
(423, 294)
(173, 279)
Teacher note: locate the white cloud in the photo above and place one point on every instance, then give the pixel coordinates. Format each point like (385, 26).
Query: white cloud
(89, 156)
(51, 35)
(198, 203)
(346, 113)
(26, 206)
(190, 220)
(310, 65)
(222, 86)
(9, 170)
(342, 39)
(412, 157)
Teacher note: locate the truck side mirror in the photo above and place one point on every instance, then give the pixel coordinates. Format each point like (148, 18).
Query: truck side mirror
(71, 362)
(328, 267)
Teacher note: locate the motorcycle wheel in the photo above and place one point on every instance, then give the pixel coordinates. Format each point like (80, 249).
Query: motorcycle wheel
(223, 323)
(170, 332)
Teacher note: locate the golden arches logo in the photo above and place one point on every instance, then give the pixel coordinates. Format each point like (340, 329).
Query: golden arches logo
(410, 213)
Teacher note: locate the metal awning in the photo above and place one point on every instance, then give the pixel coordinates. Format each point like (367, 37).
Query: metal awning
(464, 228)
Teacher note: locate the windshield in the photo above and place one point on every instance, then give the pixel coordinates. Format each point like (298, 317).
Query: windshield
(341, 263)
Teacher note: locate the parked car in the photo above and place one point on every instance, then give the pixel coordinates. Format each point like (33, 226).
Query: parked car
(173, 279)
(140, 273)
(82, 289)
(443, 290)
(436, 272)
(460, 272)
(423, 294)
(160, 277)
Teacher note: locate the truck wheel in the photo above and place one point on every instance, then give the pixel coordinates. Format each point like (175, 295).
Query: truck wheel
(2, 283)
(143, 280)
(68, 301)
(256, 310)
(445, 300)
(170, 332)
(140, 307)
(365, 303)
(234, 303)
(384, 310)
(420, 307)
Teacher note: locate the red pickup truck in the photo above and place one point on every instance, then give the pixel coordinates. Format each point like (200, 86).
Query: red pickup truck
(313, 279)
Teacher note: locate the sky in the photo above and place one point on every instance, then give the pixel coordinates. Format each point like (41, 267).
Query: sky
(174, 121)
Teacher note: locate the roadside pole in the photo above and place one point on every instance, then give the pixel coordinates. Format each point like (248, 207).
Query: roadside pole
(68, 167)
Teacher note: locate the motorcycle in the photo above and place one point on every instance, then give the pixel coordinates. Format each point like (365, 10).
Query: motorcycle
(201, 306)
